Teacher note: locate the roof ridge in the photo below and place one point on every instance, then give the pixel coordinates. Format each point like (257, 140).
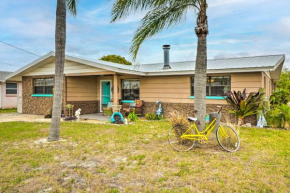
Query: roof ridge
(248, 57)
(220, 59)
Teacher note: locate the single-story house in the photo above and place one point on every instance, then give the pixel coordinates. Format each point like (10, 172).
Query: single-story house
(9, 91)
(88, 84)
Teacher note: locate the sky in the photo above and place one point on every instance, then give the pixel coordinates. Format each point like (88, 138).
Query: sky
(237, 28)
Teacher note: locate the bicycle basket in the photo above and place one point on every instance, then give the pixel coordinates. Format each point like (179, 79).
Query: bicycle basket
(214, 115)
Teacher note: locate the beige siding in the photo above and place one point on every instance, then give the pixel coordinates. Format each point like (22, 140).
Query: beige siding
(250, 81)
(173, 89)
(168, 89)
(69, 67)
(267, 84)
(82, 88)
(176, 89)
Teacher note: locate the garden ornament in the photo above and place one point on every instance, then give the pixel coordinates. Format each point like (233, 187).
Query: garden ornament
(117, 117)
(262, 122)
(159, 110)
(125, 121)
(78, 113)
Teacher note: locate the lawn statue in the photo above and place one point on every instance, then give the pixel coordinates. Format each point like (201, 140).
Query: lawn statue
(264, 107)
(262, 122)
(159, 110)
(125, 121)
(78, 113)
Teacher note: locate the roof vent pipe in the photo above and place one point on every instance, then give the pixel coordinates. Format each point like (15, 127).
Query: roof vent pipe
(166, 49)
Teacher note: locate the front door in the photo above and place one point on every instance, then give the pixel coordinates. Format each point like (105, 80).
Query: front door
(106, 92)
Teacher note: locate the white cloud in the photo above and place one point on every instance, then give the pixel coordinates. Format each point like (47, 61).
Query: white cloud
(174, 34)
(228, 41)
(282, 27)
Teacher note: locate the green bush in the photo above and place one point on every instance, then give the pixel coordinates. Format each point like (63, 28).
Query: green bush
(244, 105)
(278, 116)
(133, 117)
(153, 116)
(108, 112)
(280, 97)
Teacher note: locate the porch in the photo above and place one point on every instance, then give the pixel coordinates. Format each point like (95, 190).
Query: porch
(95, 116)
(92, 91)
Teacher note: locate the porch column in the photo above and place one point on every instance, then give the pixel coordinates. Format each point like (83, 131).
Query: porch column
(115, 89)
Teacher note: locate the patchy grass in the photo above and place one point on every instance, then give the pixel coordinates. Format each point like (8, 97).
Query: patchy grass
(137, 158)
(8, 111)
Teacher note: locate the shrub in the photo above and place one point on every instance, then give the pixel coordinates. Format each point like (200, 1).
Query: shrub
(153, 116)
(177, 118)
(133, 117)
(108, 112)
(280, 97)
(278, 116)
(243, 106)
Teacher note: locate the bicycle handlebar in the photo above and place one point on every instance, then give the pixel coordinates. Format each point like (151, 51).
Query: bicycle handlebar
(219, 109)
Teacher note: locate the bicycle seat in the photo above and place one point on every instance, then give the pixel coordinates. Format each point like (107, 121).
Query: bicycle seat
(192, 119)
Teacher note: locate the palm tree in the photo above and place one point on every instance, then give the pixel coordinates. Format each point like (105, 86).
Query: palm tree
(164, 14)
(60, 40)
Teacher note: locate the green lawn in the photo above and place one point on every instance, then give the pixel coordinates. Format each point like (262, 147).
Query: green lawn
(8, 111)
(137, 158)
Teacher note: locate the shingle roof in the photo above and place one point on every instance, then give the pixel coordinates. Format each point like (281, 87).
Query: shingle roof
(3, 74)
(216, 64)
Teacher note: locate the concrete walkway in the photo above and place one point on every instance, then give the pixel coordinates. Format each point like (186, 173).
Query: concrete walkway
(11, 117)
(16, 117)
(95, 116)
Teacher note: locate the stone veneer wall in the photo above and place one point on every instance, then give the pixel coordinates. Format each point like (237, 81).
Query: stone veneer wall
(188, 108)
(87, 107)
(37, 105)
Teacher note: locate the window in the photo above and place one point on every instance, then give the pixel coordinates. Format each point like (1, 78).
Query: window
(215, 85)
(43, 86)
(11, 88)
(130, 89)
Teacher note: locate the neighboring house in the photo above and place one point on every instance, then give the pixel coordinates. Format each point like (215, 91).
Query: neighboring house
(9, 91)
(90, 83)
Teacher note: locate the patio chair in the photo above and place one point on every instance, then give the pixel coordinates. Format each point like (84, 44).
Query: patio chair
(128, 108)
(139, 107)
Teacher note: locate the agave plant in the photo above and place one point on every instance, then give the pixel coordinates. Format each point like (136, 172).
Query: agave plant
(243, 106)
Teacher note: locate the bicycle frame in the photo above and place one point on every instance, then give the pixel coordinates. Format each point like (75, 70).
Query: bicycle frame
(199, 135)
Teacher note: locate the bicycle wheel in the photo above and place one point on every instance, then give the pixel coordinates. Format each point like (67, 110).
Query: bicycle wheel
(175, 140)
(228, 138)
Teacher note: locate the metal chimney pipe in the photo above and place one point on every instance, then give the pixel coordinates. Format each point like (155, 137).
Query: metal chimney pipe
(166, 65)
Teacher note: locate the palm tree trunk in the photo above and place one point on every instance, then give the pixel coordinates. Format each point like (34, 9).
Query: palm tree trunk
(200, 82)
(60, 39)
(200, 67)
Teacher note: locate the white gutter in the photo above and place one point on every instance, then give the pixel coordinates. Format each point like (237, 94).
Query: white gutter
(217, 71)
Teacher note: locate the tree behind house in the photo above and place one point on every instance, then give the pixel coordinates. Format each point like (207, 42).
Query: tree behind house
(116, 59)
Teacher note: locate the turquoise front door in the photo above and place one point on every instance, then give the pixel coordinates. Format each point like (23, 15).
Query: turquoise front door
(106, 92)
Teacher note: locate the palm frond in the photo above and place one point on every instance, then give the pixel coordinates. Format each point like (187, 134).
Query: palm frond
(157, 20)
(123, 8)
(72, 6)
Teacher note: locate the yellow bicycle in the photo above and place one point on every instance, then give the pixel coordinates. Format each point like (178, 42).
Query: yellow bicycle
(183, 137)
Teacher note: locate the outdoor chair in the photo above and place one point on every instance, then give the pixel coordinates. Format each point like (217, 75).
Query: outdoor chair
(139, 107)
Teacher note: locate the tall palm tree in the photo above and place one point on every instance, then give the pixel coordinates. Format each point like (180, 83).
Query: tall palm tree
(163, 14)
(60, 40)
